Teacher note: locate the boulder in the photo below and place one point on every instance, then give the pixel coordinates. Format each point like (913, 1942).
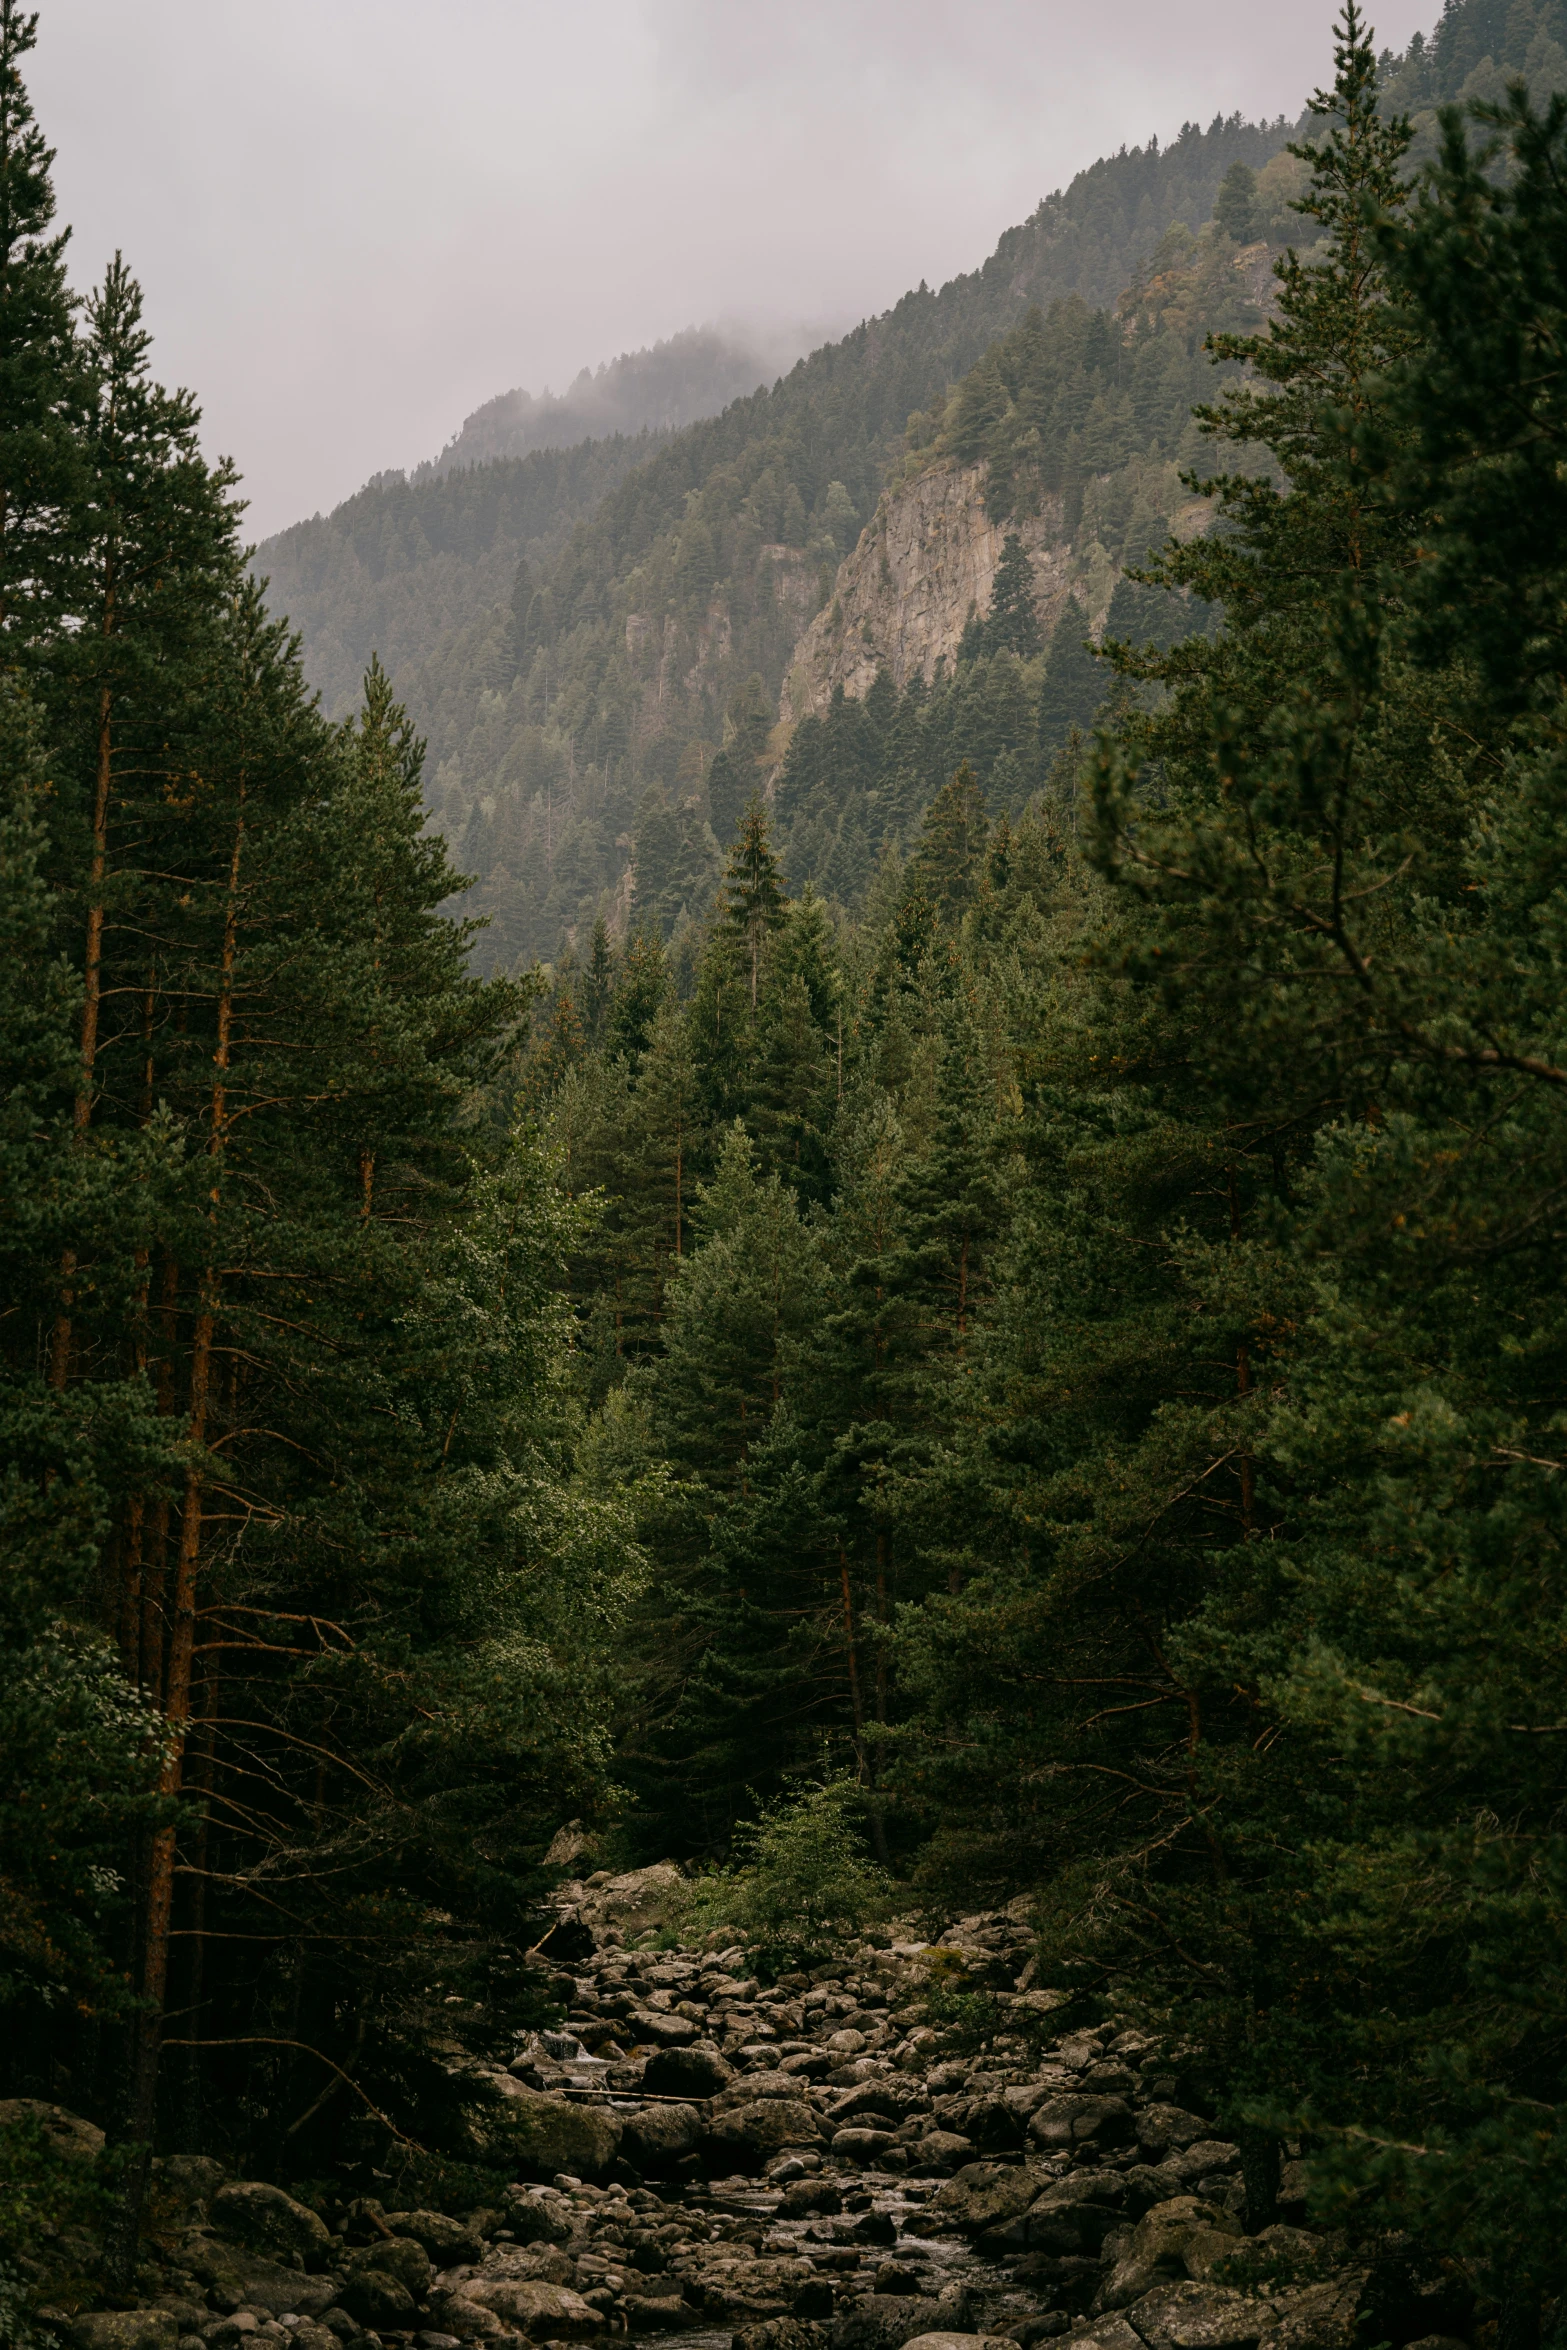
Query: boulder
(1110, 2333)
(1190, 2316)
(237, 2278)
(468, 2320)
(1162, 2129)
(378, 2299)
(942, 2150)
(539, 2136)
(856, 2145)
(983, 2194)
(447, 2241)
(886, 2321)
(686, 2072)
(660, 2136)
(251, 2212)
(403, 2257)
(781, 2333)
(181, 2188)
(748, 2136)
(645, 2311)
(891, 2093)
(962, 2342)
(1065, 2121)
(805, 2196)
(1182, 2238)
(532, 2219)
(122, 2329)
(63, 2132)
(547, 2312)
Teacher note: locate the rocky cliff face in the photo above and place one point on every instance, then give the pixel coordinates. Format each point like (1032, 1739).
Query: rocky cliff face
(902, 597)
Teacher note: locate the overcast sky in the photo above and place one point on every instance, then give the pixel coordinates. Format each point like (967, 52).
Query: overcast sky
(356, 219)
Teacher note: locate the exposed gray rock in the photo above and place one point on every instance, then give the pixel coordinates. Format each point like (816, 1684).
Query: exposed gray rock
(1185, 2237)
(1068, 2121)
(250, 2212)
(546, 2312)
(886, 2321)
(538, 2136)
(698, 2071)
(402, 2257)
(748, 2136)
(659, 2137)
(985, 2194)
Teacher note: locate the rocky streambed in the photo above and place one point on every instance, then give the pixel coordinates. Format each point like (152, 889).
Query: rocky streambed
(807, 2165)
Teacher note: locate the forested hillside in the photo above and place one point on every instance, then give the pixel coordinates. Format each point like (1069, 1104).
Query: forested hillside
(1035, 1379)
(572, 717)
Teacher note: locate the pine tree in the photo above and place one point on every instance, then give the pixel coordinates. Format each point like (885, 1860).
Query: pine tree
(754, 899)
(40, 449)
(1013, 624)
(1075, 684)
(949, 863)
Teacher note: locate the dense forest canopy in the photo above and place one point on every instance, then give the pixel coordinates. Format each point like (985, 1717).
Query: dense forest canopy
(1040, 1339)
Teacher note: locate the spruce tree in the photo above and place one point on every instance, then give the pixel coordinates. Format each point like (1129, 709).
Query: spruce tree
(754, 898)
(1013, 623)
(40, 448)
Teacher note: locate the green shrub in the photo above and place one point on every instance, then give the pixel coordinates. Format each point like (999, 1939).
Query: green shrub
(801, 1880)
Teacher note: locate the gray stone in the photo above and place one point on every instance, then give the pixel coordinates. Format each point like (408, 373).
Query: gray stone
(237, 2278)
(447, 2241)
(886, 2321)
(1185, 2237)
(403, 2257)
(686, 2072)
(781, 2333)
(539, 2136)
(1065, 2121)
(984, 2194)
(262, 2216)
(854, 2145)
(961, 2342)
(468, 2319)
(1163, 2128)
(545, 2312)
(890, 2093)
(534, 2220)
(1191, 2316)
(748, 2136)
(659, 2137)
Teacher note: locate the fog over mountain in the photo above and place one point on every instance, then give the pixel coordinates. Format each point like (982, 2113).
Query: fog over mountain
(357, 224)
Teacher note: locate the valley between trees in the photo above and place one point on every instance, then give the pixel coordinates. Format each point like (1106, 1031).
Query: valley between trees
(970, 1464)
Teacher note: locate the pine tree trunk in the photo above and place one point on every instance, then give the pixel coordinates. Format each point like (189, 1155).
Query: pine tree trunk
(92, 992)
(182, 1630)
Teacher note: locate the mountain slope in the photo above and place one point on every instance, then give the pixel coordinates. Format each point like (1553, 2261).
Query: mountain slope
(661, 389)
(575, 713)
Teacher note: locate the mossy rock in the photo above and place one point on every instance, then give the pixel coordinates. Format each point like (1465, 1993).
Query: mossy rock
(536, 2137)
